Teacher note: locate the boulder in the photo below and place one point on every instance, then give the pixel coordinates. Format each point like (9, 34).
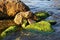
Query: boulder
(28, 15)
(52, 22)
(30, 21)
(5, 24)
(8, 31)
(42, 15)
(12, 7)
(41, 26)
(25, 23)
(18, 19)
(22, 15)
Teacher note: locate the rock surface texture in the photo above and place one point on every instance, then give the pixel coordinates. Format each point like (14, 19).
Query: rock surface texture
(9, 8)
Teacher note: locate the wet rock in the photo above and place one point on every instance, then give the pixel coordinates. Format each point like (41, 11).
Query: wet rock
(30, 21)
(12, 7)
(41, 15)
(34, 17)
(24, 23)
(5, 24)
(18, 19)
(26, 14)
(8, 31)
(21, 16)
(52, 22)
(41, 26)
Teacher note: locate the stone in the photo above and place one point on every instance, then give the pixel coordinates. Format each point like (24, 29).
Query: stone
(22, 15)
(8, 31)
(12, 7)
(27, 14)
(24, 23)
(41, 26)
(18, 19)
(5, 24)
(52, 22)
(30, 21)
(42, 15)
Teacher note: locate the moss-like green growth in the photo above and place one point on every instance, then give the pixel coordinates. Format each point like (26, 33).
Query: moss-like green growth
(42, 26)
(8, 31)
(24, 23)
(52, 22)
(42, 15)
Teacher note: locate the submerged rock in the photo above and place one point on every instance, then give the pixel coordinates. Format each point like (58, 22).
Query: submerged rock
(42, 26)
(52, 22)
(8, 31)
(24, 23)
(12, 7)
(41, 15)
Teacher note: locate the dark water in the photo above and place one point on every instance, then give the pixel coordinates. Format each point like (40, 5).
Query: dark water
(37, 5)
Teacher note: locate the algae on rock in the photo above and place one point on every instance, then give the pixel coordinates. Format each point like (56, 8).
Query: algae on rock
(40, 26)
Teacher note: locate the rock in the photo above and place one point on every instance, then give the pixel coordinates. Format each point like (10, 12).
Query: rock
(34, 17)
(8, 31)
(30, 21)
(24, 23)
(42, 26)
(22, 15)
(12, 7)
(52, 22)
(18, 19)
(41, 15)
(1, 6)
(27, 14)
(5, 24)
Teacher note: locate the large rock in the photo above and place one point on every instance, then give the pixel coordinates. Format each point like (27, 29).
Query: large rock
(5, 24)
(21, 16)
(18, 19)
(41, 26)
(11, 7)
(28, 15)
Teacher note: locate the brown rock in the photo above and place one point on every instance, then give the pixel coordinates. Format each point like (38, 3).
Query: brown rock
(22, 15)
(34, 17)
(18, 19)
(5, 24)
(30, 21)
(1, 6)
(11, 7)
(26, 14)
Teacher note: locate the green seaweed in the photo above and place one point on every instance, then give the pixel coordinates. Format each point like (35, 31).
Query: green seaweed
(42, 26)
(52, 22)
(8, 31)
(42, 15)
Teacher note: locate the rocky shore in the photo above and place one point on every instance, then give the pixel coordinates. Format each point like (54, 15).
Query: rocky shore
(15, 12)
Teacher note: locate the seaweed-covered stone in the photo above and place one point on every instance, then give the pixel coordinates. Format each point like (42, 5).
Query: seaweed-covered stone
(8, 31)
(4, 24)
(42, 26)
(24, 23)
(41, 15)
(52, 22)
